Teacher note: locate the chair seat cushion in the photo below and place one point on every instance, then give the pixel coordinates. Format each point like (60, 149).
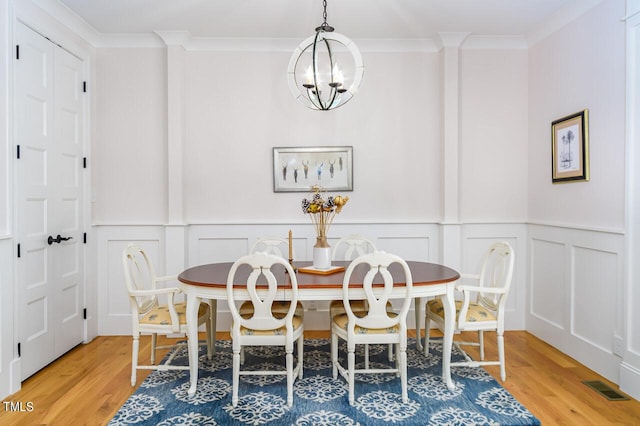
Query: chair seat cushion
(297, 322)
(475, 313)
(160, 314)
(280, 306)
(342, 320)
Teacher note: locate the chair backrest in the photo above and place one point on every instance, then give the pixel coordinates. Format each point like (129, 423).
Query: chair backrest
(261, 287)
(139, 275)
(271, 245)
(377, 284)
(352, 246)
(496, 273)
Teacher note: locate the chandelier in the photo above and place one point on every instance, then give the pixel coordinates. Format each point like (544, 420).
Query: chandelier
(326, 69)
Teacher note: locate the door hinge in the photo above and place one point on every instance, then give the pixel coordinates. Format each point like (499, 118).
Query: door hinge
(84, 238)
(18, 151)
(18, 250)
(17, 51)
(84, 313)
(84, 162)
(84, 86)
(19, 350)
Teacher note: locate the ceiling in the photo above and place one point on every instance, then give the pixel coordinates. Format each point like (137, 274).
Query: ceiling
(359, 19)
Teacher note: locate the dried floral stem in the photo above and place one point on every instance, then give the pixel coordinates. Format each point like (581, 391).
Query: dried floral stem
(323, 211)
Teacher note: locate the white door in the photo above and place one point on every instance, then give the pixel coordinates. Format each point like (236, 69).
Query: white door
(50, 205)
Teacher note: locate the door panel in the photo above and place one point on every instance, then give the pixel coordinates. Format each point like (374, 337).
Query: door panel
(34, 99)
(68, 269)
(50, 187)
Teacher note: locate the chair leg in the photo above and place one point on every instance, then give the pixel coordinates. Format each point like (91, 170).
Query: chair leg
(402, 368)
(481, 343)
(351, 361)
(397, 359)
(390, 356)
(236, 376)
(289, 361)
(503, 369)
(366, 356)
(301, 356)
(334, 355)
(211, 329)
(134, 359)
(418, 309)
(154, 345)
(427, 328)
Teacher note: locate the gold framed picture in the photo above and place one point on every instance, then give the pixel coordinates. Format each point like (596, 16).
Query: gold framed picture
(570, 148)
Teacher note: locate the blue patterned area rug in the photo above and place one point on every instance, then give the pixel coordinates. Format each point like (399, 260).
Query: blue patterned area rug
(319, 399)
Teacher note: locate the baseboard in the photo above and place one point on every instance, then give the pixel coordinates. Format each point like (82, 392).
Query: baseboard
(630, 380)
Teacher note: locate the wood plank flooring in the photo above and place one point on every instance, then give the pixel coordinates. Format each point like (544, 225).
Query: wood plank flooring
(88, 385)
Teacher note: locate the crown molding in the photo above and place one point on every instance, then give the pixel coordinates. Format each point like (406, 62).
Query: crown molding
(482, 42)
(191, 43)
(451, 39)
(161, 39)
(67, 18)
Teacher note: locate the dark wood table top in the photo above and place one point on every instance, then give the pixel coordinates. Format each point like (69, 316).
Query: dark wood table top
(215, 274)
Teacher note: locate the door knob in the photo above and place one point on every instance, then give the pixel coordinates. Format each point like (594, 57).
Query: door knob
(57, 239)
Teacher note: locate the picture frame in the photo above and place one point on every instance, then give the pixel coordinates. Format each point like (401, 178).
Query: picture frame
(297, 169)
(570, 148)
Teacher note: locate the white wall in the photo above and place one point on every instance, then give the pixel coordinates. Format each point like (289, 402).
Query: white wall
(237, 108)
(493, 164)
(129, 147)
(576, 240)
(580, 66)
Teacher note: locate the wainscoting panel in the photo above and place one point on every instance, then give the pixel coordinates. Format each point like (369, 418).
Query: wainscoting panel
(576, 294)
(476, 239)
(409, 248)
(548, 272)
(595, 277)
(227, 242)
(113, 303)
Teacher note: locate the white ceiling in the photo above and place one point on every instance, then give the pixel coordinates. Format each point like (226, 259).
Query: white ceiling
(358, 19)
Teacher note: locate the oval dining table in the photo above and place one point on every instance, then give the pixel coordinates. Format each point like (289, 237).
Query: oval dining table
(209, 282)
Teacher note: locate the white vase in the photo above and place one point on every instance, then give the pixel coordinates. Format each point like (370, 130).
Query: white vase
(321, 254)
(322, 257)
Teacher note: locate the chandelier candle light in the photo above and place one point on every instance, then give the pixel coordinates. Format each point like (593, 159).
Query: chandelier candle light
(322, 211)
(315, 78)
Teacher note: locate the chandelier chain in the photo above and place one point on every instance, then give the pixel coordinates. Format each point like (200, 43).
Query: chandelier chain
(324, 14)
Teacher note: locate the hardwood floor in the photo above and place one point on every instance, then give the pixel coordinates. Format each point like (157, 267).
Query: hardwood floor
(90, 383)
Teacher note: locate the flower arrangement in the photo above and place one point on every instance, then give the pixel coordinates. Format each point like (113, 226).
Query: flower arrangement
(322, 211)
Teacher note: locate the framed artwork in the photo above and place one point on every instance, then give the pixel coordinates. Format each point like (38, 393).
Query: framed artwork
(297, 169)
(570, 148)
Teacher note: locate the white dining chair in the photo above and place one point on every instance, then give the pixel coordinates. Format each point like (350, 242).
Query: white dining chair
(264, 327)
(482, 308)
(272, 245)
(149, 316)
(276, 246)
(376, 325)
(349, 248)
